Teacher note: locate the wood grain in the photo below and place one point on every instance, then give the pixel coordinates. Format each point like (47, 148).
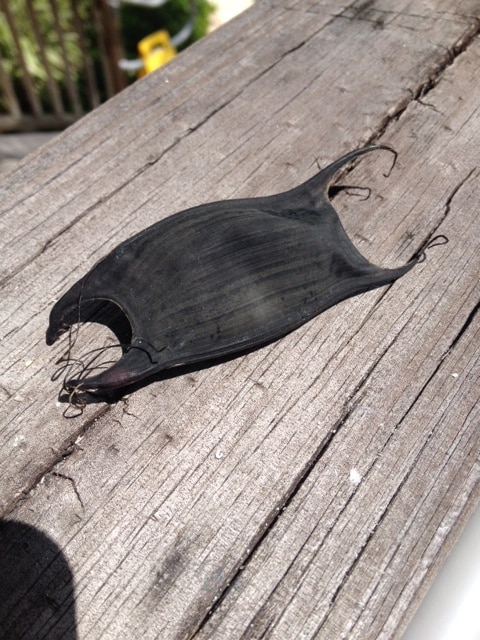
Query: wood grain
(312, 488)
(111, 175)
(402, 470)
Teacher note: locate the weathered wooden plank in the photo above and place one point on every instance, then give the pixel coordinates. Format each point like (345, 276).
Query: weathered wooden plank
(326, 572)
(46, 195)
(104, 157)
(150, 117)
(361, 541)
(82, 186)
(160, 503)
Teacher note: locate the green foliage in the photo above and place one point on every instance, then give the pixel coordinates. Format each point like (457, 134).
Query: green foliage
(49, 34)
(47, 25)
(138, 22)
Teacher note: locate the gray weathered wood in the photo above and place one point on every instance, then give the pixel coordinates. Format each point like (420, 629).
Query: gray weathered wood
(137, 159)
(361, 540)
(158, 502)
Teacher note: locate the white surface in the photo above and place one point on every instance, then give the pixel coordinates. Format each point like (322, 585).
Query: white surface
(228, 9)
(451, 609)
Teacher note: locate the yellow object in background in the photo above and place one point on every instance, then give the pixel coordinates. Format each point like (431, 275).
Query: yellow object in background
(155, 50)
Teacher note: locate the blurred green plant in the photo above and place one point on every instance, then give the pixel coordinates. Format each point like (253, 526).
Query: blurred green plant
(49, 34)
(138, 22)
(45, 34)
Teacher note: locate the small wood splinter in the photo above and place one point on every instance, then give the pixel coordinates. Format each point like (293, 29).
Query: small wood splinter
(221, 278)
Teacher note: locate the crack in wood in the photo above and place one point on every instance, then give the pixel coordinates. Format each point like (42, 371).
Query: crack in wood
(451, 54)
(413, 463)
(424, 88)
(433, 375)
(446, 211)
(50, 469)
(454, 192)
(276, 513)
(351, 404)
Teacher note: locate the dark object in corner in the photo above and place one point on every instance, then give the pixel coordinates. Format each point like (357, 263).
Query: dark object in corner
(221, 278)
(37, 596)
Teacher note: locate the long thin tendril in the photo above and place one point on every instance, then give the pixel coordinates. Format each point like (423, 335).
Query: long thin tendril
(74, 369)
(436, 241)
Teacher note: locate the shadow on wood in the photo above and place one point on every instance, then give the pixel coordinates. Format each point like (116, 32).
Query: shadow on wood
(36, 586)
